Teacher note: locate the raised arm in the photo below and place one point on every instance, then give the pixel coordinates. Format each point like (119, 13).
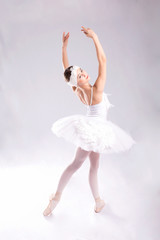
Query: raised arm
(101, 79)
(64, 54)
(100, 52)
(64, 51)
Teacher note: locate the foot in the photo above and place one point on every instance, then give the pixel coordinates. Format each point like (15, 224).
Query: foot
(99, 205)
(53, 201)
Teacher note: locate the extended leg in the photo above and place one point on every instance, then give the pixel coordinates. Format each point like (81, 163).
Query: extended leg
(79, 158)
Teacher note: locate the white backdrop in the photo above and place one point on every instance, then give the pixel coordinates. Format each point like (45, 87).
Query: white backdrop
(33, 94)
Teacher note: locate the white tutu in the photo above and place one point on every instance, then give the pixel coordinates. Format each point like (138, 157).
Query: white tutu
(93, 132)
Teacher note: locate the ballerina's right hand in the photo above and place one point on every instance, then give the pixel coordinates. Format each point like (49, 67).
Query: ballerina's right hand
(65, 39)
(88, 31)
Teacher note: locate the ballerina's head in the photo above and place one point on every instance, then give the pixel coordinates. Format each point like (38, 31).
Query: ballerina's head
(76, 76)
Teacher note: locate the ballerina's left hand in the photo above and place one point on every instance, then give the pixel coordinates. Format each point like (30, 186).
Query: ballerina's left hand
(65, 39)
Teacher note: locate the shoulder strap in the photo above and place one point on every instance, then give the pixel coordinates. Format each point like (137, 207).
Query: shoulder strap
(91, 95)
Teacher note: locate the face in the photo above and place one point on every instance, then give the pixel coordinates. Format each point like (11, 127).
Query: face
(82, 76)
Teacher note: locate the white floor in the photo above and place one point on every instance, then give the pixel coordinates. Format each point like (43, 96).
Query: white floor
(131, 193)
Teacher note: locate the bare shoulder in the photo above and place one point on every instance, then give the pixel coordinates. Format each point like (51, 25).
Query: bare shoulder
(97, 95)
(76, 90)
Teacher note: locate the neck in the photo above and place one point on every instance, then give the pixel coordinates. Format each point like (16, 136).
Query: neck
(85, 87)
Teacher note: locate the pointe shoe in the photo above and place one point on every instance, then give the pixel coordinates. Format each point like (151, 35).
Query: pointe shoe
(53, 201)
(99, 205)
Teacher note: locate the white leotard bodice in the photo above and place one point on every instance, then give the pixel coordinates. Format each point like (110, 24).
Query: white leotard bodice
(99, 109)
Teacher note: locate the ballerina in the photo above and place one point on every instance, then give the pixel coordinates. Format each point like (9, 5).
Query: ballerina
(92, 134)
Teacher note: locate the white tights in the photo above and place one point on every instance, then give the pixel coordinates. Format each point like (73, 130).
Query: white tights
(79, 158)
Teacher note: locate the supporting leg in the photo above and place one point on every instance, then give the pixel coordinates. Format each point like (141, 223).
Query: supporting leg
(93, 180)
(93, 172)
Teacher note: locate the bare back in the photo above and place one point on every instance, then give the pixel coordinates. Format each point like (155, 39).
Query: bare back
(91, 96)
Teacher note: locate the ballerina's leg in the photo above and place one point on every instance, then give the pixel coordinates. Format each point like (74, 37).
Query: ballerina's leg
(93, 180)
(79, 158)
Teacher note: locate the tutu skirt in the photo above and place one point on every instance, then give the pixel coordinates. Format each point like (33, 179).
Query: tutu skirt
(93, 134)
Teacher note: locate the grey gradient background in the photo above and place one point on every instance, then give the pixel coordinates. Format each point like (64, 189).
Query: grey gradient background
(33, 95)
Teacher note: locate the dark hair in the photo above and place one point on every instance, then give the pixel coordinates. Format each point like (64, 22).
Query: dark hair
(67, 73)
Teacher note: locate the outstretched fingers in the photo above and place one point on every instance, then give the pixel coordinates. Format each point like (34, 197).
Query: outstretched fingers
(84, 29)
(67, 35)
